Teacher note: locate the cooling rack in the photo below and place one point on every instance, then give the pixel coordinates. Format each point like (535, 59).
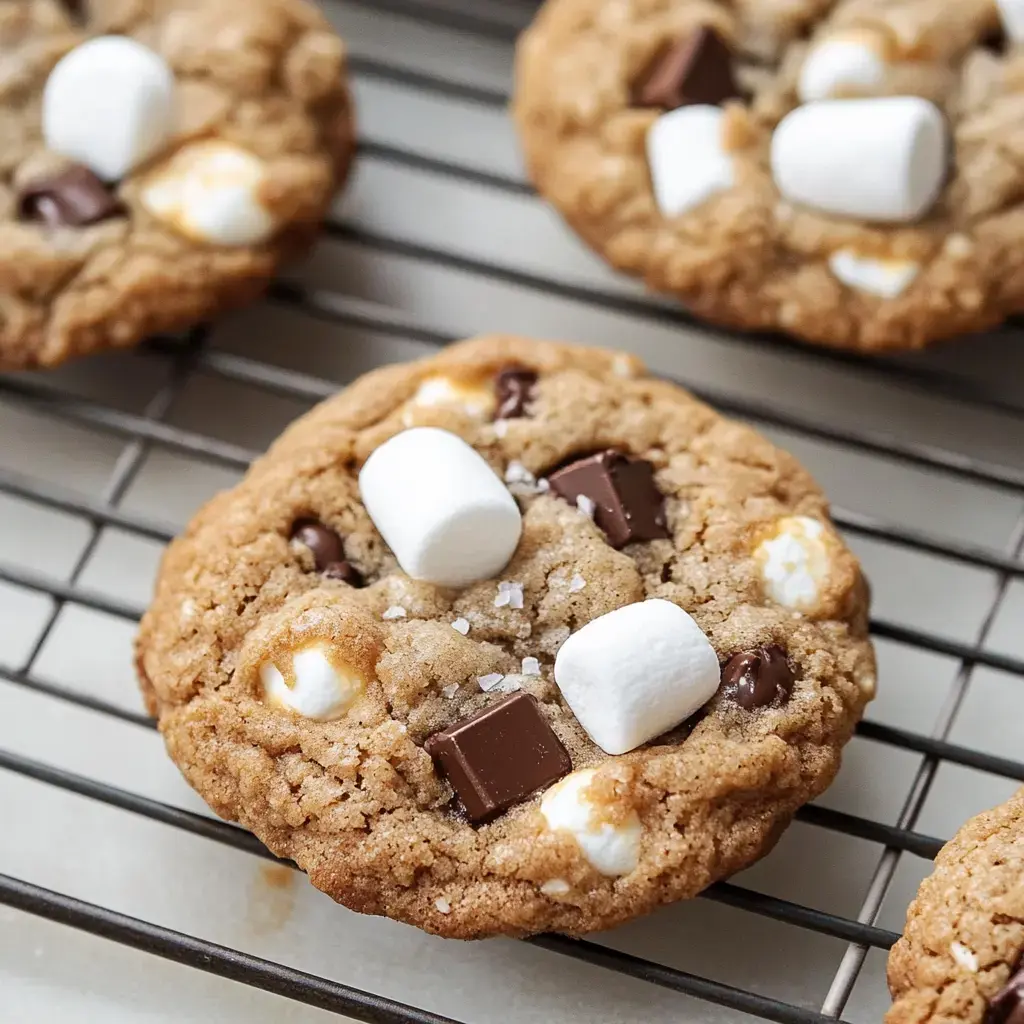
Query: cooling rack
(120, 896)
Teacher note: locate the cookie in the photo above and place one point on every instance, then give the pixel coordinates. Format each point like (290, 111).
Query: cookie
(159, 159)
(960, 957)
(847, 171)
(511, 639)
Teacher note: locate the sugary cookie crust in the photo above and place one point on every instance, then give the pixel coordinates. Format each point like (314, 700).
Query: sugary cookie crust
(266, 75)
(745, 257)
(357, 802)
(965, 930)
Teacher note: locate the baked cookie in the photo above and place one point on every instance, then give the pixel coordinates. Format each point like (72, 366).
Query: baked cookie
(847, 171)
(960, 956)
(511, 639)
(158, 160)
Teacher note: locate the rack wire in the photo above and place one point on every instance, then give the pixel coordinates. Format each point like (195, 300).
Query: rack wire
(148, 431)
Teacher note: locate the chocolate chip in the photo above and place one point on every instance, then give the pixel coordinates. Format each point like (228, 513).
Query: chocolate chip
(499, 756)
(696, 69)
(346, 572)
(627, 504)
(324, 544)
(1007, 1006)
(514, 386)
(759, 678)
(73, 198)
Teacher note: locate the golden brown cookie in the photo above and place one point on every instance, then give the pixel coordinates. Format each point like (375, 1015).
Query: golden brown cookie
(646, 650)
(158, 160)
(847, 171)
(959, 961)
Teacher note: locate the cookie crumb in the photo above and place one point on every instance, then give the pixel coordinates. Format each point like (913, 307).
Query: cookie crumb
(461, 625)
(396, 611)
(443, 906)
(531, 667)
(576, 584)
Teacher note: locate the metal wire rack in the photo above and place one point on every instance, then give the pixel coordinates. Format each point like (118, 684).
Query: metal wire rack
(154, 427)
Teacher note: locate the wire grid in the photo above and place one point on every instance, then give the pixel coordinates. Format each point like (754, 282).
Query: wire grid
(148, 431)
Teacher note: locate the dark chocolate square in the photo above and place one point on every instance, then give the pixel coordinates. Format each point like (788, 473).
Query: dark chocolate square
(499, 756)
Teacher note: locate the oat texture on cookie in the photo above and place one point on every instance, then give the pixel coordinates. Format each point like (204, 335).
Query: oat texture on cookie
(961, 957)
(544, 649)
(847, 171)
(160, 160)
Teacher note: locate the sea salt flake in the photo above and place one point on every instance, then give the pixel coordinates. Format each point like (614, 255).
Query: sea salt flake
(500, 428)
(396, 611)
(555, 887)
(489, 681)
(517, 473)
(510, 594)
(965, 957)
(461, 625)
(576, 584)
(443, 905)
(531, 667)
(586, 505)
(450, 690)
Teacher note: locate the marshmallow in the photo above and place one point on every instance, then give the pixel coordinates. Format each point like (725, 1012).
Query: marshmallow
(795, 563)
(209, 191)
(636, 672)
(879, 159)
(439, 506)
(687, 159)
(612, 849)
(839, 65)
(317, 686)
(475, 398)
(109, 104)
(886, 278)
(1012, 14)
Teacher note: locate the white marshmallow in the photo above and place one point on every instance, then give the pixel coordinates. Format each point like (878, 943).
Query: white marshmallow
(611, 849)
(839, 65)
(636, 672)
(446, 516)
(109, 104)
(209, 191)
(878, 159)
(886, 278)
(795, 563)
(320, 689)
(1012, 14)
(687, 159)
(476, 399)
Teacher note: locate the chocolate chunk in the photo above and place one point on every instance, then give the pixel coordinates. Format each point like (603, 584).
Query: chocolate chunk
(696, 69)
(514, 386)
(73, 198)
(322, 541)
(759, 678)
(627, 504)
(346, 572)
(1007, 1006)
(499, 756)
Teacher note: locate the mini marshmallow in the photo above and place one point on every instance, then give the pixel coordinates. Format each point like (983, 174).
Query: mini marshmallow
(795, 563)
(109, 104)
(840, 65)
(318, 687)
(209, 191)
(687, 159)
(611, 849)
(1011, 12)
(887, 279)
(439, 506)
(477, 399)
(636, 672)
(881, 159)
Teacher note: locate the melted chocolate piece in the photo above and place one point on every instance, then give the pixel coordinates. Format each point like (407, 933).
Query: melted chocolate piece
(759, 678)
(346, 572)
(514, 386)
(697, 69)
(73, 198)
(324, 544)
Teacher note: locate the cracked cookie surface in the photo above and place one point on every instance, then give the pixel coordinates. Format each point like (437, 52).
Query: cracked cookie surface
(959, 959)
(339, 776)
(259, 108)
(720, 230)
